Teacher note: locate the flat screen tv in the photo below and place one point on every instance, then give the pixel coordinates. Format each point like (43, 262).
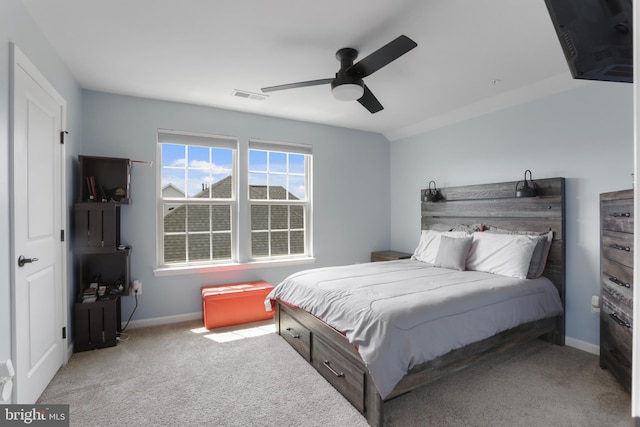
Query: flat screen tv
(596, 37)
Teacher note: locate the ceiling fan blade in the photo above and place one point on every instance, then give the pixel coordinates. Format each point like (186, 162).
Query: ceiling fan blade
(297, 85)
(369, 101)
(381, 57)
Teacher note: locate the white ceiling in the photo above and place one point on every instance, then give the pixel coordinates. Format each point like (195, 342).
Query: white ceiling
(471, 55)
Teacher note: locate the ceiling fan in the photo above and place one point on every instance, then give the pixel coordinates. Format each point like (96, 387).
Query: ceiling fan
(348, 84)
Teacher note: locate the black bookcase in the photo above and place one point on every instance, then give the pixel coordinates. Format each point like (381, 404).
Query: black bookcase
(100, 255)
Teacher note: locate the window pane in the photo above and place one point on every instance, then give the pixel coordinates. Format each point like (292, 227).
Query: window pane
(257, 186)
(199, 157)
(173, 182)
(199, 247)
(296, 163)
(223, 188)
(174, 218)
(297, 242)
(279, 217)
(280, 243)
(296, 188)
(173, 155)
(259, 217)
(198, 218)
(259, 244)
(175, 249)
(297, 217)
(257, 161)
(277, 162)
(221, 246)
(198, 182)
(222, 160)
(277, 187)
(221, 218)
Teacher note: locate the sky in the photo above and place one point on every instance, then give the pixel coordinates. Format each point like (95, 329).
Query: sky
(189, 167)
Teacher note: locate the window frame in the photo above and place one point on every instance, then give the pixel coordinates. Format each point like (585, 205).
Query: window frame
(287, 149)
(241, 207)
(191, 139)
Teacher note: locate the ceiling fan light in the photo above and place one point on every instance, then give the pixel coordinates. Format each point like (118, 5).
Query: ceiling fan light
(348, 92)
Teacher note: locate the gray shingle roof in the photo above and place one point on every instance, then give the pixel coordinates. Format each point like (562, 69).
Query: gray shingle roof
(174, 221)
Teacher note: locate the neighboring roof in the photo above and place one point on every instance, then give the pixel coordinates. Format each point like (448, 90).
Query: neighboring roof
(174, 220)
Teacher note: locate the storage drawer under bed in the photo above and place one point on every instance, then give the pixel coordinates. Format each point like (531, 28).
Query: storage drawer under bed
(295, 334)
(340, 372)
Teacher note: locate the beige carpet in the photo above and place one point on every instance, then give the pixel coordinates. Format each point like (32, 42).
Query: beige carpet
(177, 375)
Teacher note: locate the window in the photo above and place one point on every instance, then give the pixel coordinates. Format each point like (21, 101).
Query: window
(279, 199)
(199, 201)
(197, 197)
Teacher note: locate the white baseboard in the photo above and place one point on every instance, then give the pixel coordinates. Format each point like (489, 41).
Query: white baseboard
(582, 345)
(156, 321)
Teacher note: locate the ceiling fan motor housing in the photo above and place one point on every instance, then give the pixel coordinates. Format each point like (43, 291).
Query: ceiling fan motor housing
(346, 86)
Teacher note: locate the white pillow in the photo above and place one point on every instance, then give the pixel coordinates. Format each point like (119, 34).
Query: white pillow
(427, 249)
(503, 254)
(540, 253)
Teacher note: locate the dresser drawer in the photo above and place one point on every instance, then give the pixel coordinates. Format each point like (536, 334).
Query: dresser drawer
(618, 247)
(614, 360)
(620, 274)
(616, 326)
(340, 372)
(295, 334)
(617, 215)
(618, 295)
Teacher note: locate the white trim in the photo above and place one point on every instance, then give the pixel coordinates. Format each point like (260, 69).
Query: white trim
(635, 343)
(165, 320)
(285, 147)
(544, 88)
(582, 345)
(19, 60)
(166, 136)
(209, 268)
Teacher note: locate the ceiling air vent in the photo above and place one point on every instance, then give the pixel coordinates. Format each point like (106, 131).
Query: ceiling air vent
(248, 95)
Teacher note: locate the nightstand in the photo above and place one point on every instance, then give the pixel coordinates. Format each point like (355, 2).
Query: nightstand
(388, 256)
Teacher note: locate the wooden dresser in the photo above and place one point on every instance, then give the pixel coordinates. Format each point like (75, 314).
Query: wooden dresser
(616, 284)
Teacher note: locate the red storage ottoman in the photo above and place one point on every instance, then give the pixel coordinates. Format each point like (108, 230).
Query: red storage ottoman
(234, 304)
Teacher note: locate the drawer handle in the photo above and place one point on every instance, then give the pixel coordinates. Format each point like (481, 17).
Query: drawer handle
(618, 282)
(618, 320)
(621, 214)
(620, 248)
(621, 360)
(293, 334)
(337, 374)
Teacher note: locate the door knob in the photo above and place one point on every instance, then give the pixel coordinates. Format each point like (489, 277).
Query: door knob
(22, 260)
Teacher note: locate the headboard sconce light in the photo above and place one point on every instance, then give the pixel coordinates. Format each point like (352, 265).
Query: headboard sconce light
(527, 188)
(432, 194)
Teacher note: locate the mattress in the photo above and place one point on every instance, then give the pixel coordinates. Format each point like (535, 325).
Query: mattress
(402, 313)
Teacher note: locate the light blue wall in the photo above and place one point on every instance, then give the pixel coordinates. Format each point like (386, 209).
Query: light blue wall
(17, 27)
(584, 135)
(350, 189)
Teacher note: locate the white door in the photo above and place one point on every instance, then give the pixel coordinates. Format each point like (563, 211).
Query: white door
(37, 196)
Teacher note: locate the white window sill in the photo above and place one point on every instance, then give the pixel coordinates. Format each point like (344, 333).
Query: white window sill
(200, 269)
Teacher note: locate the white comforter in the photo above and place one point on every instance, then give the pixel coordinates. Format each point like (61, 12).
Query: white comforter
(403, 313)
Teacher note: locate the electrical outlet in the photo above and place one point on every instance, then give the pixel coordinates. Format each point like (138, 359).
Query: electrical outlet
(136, 287)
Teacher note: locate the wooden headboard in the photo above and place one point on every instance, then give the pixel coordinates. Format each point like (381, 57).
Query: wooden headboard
(496, 204)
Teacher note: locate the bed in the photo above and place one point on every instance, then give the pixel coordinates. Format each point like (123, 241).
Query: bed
(376, 331)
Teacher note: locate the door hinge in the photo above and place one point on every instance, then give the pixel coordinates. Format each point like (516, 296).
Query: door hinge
(62, 134)
(62, 235)
(64, 332)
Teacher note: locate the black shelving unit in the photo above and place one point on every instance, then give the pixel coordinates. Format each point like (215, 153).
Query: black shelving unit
(100, 255)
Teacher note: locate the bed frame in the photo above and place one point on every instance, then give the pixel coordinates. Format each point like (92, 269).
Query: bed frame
(491, 204)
